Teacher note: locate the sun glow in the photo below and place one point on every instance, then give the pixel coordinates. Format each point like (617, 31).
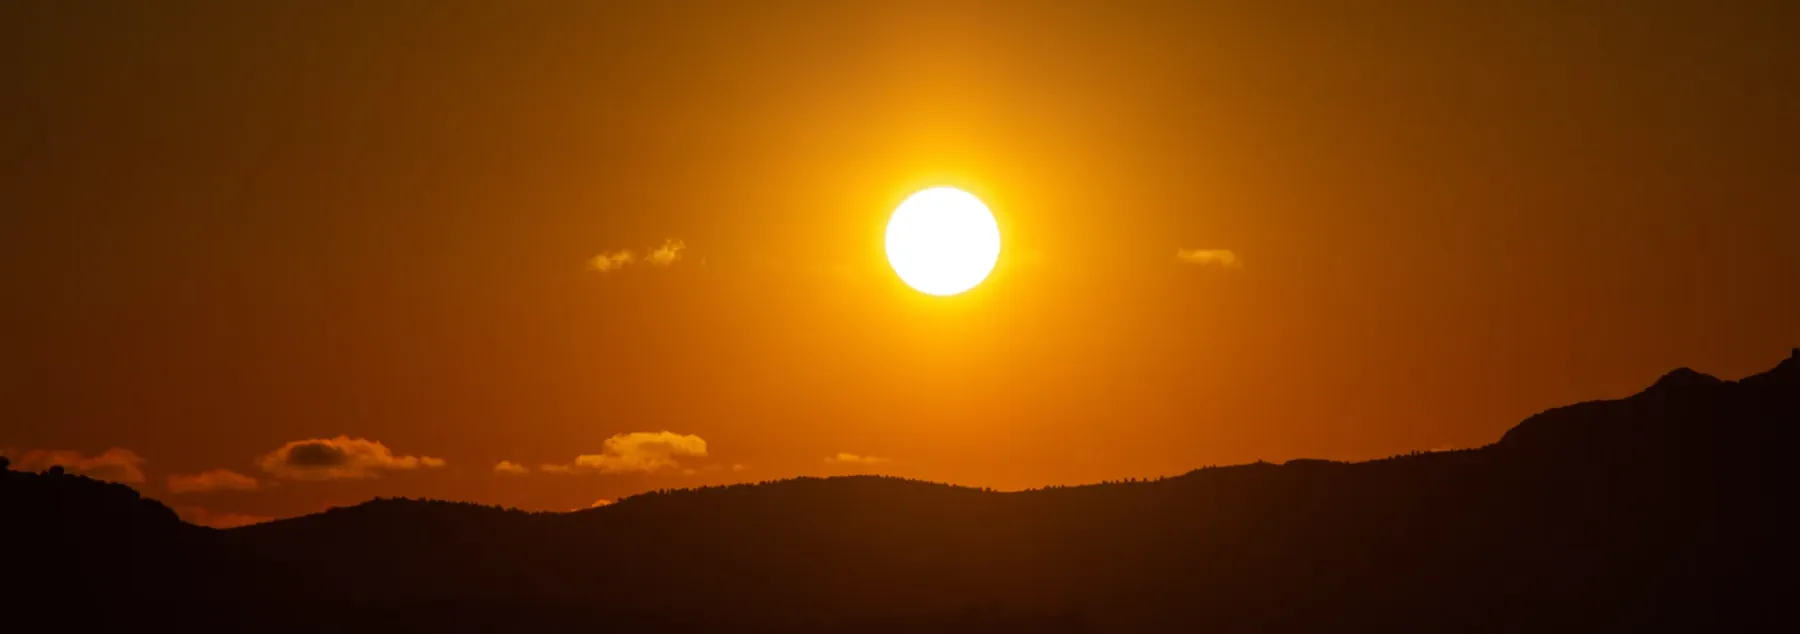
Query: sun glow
(943, 241)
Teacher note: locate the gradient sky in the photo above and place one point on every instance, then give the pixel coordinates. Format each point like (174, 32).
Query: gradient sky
(229, 228)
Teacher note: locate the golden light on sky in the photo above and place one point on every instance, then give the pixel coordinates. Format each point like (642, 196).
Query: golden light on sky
(457, 255)
(943, 241)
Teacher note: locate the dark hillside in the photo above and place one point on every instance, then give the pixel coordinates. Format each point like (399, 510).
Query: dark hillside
(1657, 511)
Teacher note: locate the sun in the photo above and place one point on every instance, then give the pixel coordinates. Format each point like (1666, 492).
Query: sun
(943, 241)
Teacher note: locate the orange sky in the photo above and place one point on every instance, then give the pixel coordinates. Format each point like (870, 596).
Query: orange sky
(232, 227)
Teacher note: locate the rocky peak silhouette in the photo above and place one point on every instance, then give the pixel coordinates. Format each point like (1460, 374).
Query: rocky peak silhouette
(1682, 379)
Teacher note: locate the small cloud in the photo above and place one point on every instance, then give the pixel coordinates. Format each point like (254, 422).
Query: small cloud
(738, 467)
(199, 516)
(850, 458)
(688, 472)
(611, 261)
(340, 458)
(1224, 258)
(113, 465)
(599, 503)
(510, 468)
(669, 253)
(211, 480)
(666, 254)
(646, 452)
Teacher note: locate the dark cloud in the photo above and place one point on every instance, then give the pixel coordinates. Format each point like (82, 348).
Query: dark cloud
(339, 458)
(316, 454)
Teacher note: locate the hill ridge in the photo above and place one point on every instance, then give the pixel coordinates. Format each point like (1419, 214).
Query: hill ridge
(1653, 511)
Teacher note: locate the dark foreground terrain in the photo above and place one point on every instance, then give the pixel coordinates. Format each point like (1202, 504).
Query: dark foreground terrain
(1656, 512)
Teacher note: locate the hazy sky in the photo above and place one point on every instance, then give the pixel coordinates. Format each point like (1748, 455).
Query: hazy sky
(230, 228)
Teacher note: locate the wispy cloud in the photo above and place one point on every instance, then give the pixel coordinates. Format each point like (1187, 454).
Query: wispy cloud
(642, 452)
(1224, 258)
(510, 468)
(113, 465)
(211, 480)
(340, 458)
(608, 261)
(597, 504)
(851, 458)
(202, 517)
(666, 254)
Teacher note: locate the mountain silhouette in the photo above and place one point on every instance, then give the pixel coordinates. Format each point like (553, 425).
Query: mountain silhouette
(1659, 511)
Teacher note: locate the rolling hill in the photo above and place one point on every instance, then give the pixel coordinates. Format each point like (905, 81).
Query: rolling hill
(1657, 511)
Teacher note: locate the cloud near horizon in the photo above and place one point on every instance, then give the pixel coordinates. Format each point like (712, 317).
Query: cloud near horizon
(340, 458)
(642, 452)
(211, 480)
(665, 255)
(1223, 258)
(851, 458)
(510, 468)
(115, 464)
(199, 516)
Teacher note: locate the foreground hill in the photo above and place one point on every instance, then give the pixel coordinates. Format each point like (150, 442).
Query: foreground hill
(1657, 511)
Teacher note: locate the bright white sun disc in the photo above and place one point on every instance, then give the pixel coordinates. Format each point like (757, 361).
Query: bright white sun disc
(943, 241)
